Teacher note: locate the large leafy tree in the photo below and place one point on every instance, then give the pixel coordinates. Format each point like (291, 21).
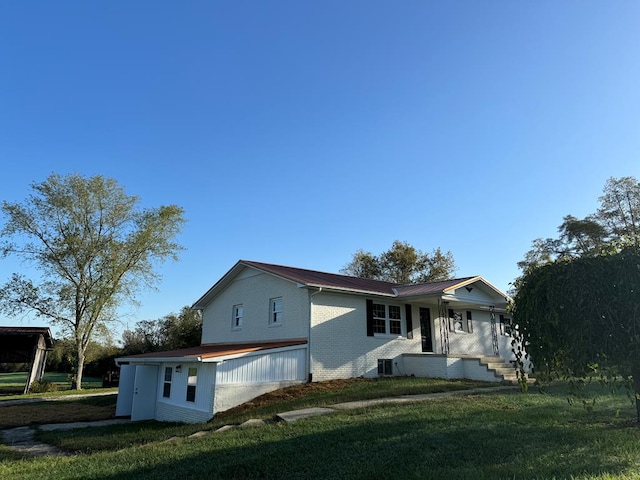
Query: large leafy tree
(619, 211)
(402, 263)
(94, 247)
(613, 226)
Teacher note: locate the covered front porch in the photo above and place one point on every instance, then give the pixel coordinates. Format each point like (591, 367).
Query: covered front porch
(465, 331)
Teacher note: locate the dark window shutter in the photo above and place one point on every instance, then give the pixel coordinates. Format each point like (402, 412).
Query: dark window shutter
(407, 310)
(469, 322)
(452, 322)
(369, 318)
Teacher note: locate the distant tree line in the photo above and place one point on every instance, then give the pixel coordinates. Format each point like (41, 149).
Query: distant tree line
(170, 332)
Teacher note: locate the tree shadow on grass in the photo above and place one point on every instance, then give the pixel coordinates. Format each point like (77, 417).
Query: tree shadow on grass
(374, 445)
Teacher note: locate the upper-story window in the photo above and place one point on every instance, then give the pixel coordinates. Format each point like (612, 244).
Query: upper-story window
(236, 320)
(275, 311)
(387, 319)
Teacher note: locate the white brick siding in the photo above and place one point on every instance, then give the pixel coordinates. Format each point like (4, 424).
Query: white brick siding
(166, 412)
(340, 346)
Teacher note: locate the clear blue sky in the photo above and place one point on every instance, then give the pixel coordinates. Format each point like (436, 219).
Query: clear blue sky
(298, 132)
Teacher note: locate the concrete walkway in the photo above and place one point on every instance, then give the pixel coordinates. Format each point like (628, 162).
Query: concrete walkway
(21, 439)
(294, 415)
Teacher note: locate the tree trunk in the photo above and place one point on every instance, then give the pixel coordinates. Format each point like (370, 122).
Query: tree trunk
(635, 373)
(77, 379)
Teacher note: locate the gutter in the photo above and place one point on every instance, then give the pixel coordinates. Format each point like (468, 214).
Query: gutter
(309, 355)
(137, 361)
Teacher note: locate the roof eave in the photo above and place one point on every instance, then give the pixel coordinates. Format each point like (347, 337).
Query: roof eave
(127, 360)
(332, 288)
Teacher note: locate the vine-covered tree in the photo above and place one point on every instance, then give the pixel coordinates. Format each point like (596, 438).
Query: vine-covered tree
(577, 303)
(582, 316)
(94, 248)
(402, 263)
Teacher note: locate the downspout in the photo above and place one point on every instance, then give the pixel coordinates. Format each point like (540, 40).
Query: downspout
(309, 356)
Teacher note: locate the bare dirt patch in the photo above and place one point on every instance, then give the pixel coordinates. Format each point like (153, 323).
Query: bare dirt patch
(295, 392)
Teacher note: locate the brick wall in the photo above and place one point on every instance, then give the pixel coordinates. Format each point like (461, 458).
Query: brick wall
(339, 343)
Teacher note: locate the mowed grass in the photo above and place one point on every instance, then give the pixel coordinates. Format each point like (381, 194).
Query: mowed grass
(484, 436)
(13, 383)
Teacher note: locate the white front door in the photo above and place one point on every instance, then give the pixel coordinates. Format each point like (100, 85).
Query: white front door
(144, 392)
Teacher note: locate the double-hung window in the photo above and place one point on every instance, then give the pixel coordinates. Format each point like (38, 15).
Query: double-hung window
(395, 324)
(379, 318)
(236, 320)
(275, 312)
(192, 381)
(505, 325)
(387, 319)
(166, 388)
(460, 324)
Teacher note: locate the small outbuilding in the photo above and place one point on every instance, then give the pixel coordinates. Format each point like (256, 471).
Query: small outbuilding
(26, 345)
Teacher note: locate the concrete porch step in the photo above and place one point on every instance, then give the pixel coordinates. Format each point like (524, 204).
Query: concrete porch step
(500, 368)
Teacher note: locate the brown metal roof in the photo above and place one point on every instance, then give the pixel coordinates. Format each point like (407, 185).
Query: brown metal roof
(345, 283)
(213, 350)
(431, 287)
(322, 279)
(29, 331)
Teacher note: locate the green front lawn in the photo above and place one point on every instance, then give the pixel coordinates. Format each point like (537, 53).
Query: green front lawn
(13, 383)
(484, 436)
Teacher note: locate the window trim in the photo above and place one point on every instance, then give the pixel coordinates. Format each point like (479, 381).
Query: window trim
(387, 320)
(457, 318)
(506, 326)
(385, 367)
(192, 382)
(166, 385)
(237, 314)
(275, 316)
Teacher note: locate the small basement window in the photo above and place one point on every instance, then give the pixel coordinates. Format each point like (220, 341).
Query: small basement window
(385, 366)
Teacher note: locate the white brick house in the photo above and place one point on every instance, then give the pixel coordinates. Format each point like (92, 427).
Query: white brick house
(266, 326)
